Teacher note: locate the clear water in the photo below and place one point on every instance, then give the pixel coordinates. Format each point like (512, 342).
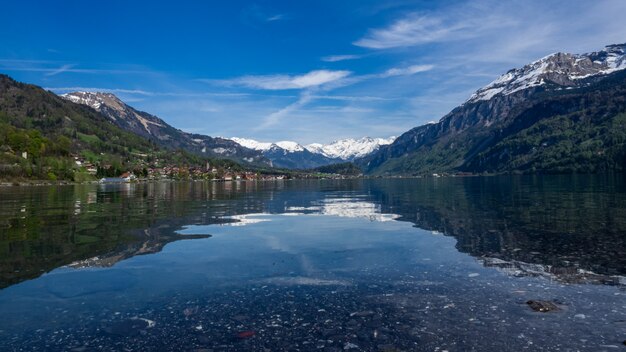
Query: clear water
(371, 265)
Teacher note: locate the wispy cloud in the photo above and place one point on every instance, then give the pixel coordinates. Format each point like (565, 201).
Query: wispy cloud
(336, 58)
(327, 78)
(61, 69)
(363, 98)
(412, 30)
(256, 15)
(406, 71)
(504, 31)
(283, 82)
(275, 117)
(275, 18)
(392, 72)
(53, 68)
(421, 28)
(308, 95)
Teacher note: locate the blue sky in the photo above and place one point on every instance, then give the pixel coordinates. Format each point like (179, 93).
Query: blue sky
(309, 71)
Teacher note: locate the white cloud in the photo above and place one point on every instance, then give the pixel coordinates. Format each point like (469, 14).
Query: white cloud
(275, 18)
(412, 30)
(283, 82)
(336, 58)
(316, 78)
(421, 28)
(505, 31)
(315, 81)
(406, 71)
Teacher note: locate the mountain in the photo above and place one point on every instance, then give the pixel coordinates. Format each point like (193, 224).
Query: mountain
(290, 154)
(562, 113)
(287, 154)
(42, 136)
(350, 148)
(558, 69)
(159, 131)
(288, 146)
(40, 131)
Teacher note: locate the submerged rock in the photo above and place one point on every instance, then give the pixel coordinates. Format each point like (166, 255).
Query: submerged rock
(246, 334)
(364, 313)
(349, 346)
(543, 306)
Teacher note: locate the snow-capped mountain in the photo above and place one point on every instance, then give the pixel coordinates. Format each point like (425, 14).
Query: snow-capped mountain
(350, 148)
(560, 69)
(344, 149)
(287, 154)
(288, 146)
(252, 144)
(294, 155)
(542, 116)
(94, 100)
(159, 131)
(116, 110)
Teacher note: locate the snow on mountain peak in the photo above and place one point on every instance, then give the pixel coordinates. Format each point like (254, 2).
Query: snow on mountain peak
(290, 146)
(344, 149)
(95, 99)
(316, 148)
(114, 109)
(350, 148)
(563, 69)
(251, 143)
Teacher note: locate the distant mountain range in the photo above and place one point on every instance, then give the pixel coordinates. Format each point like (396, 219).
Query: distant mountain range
(562, 113)
(284, 154)
(293, 155)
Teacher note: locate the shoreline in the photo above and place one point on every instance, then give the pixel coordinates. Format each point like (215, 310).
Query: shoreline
(31, 183)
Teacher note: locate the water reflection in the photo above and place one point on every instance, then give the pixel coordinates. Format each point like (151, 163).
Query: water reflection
(569, 229)
(378, 264)
(347, 207)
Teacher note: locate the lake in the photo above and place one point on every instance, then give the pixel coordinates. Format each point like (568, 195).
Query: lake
(533, 263)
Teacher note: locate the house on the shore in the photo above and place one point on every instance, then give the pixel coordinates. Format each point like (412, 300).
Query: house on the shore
(124, 178)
